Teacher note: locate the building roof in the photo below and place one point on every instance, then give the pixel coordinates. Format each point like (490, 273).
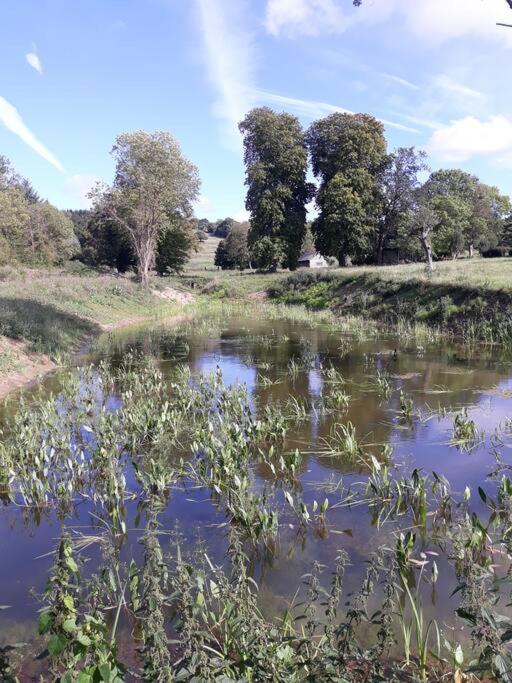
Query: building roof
(308, 255)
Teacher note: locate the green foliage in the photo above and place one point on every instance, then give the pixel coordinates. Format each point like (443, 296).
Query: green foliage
(176, 242)
(348, 154)
(233, 251)
(153, 185)
(267, 254)
(276, 161)
(103, 241)
(31, 231)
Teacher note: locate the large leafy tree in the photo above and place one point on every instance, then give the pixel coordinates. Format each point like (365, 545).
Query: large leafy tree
(154, 183)
(14, 219)
(276, 161)
(470, 214)
(103, 241)
(31, 231)
(399, 182)
(348, 155)
(50, 237)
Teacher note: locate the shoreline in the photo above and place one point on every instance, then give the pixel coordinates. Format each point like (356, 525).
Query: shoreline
(30, 366)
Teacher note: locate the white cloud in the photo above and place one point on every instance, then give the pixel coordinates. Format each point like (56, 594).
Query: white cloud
(304, 17)
(34, 61)
(11, 119)
(229, 60)
(313, 109)
(445, 82)
(468, 137)
(434, 21)
(77, 188)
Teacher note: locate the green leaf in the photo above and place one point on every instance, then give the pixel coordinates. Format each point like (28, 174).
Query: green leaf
(70, 625)
(45, 621)
(56, 645)
(83, 639)
(72, 565)
(69, 602)
(105, 672)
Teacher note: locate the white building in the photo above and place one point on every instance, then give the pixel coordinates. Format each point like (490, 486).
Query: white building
(312, 260)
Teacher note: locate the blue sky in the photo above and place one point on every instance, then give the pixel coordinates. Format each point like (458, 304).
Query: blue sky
(76, 74)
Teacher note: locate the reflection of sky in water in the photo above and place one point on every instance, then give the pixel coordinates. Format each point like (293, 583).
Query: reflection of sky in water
(233, 370)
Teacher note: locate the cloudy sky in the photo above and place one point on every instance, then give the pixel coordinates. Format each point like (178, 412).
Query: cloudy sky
(76, 74)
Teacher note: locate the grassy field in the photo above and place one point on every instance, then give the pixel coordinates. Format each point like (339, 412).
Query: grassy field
(203, 259)
(494, 274)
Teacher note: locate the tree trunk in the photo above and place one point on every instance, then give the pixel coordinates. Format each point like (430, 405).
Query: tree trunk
(425, 243)
(380, 246)
(471, 251)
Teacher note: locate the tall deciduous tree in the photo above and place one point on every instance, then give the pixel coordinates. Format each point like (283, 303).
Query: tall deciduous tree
(399, 182)
(276, 161)
(153, 184)
(348, 155)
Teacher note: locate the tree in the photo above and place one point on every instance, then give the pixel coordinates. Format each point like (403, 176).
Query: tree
(223, 227)
(348, 155)
(308, 241)
(268, 254)
(470, 214)
(399, 182)
(14, 218)
(423, 225)
(103, 241)
(276, 162)
(153, 184)
(50, 236)
(176, 242)
(233, 251)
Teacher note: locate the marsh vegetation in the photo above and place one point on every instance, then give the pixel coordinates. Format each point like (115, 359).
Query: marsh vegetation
(251, 500)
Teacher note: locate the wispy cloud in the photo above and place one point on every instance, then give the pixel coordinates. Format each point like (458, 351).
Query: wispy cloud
(229, 59)
(12, 120)
(305, 17)
(450, 85)
(34, 61)
(421, 121)
(314, 109)
(401, 81)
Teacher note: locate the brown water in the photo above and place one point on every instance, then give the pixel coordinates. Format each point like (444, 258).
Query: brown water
(245, 351)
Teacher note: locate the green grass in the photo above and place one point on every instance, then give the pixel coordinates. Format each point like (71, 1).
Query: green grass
(54, 311)
(203, 259)
(493, 274)
(466, 299)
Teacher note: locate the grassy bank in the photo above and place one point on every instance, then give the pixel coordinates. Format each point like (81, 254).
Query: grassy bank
(467, 299)
(46, 314)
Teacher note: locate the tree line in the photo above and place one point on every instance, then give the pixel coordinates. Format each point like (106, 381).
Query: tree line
(369, 201)
(143, 220)
(32, 231)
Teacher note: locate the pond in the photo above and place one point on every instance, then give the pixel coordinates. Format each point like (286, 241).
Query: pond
(345, 406)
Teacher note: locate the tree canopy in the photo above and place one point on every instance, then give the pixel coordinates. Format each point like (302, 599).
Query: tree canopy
(153, 185)
(276, 161)
(348, 156)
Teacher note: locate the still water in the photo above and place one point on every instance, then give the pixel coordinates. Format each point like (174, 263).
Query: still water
(441, 380)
